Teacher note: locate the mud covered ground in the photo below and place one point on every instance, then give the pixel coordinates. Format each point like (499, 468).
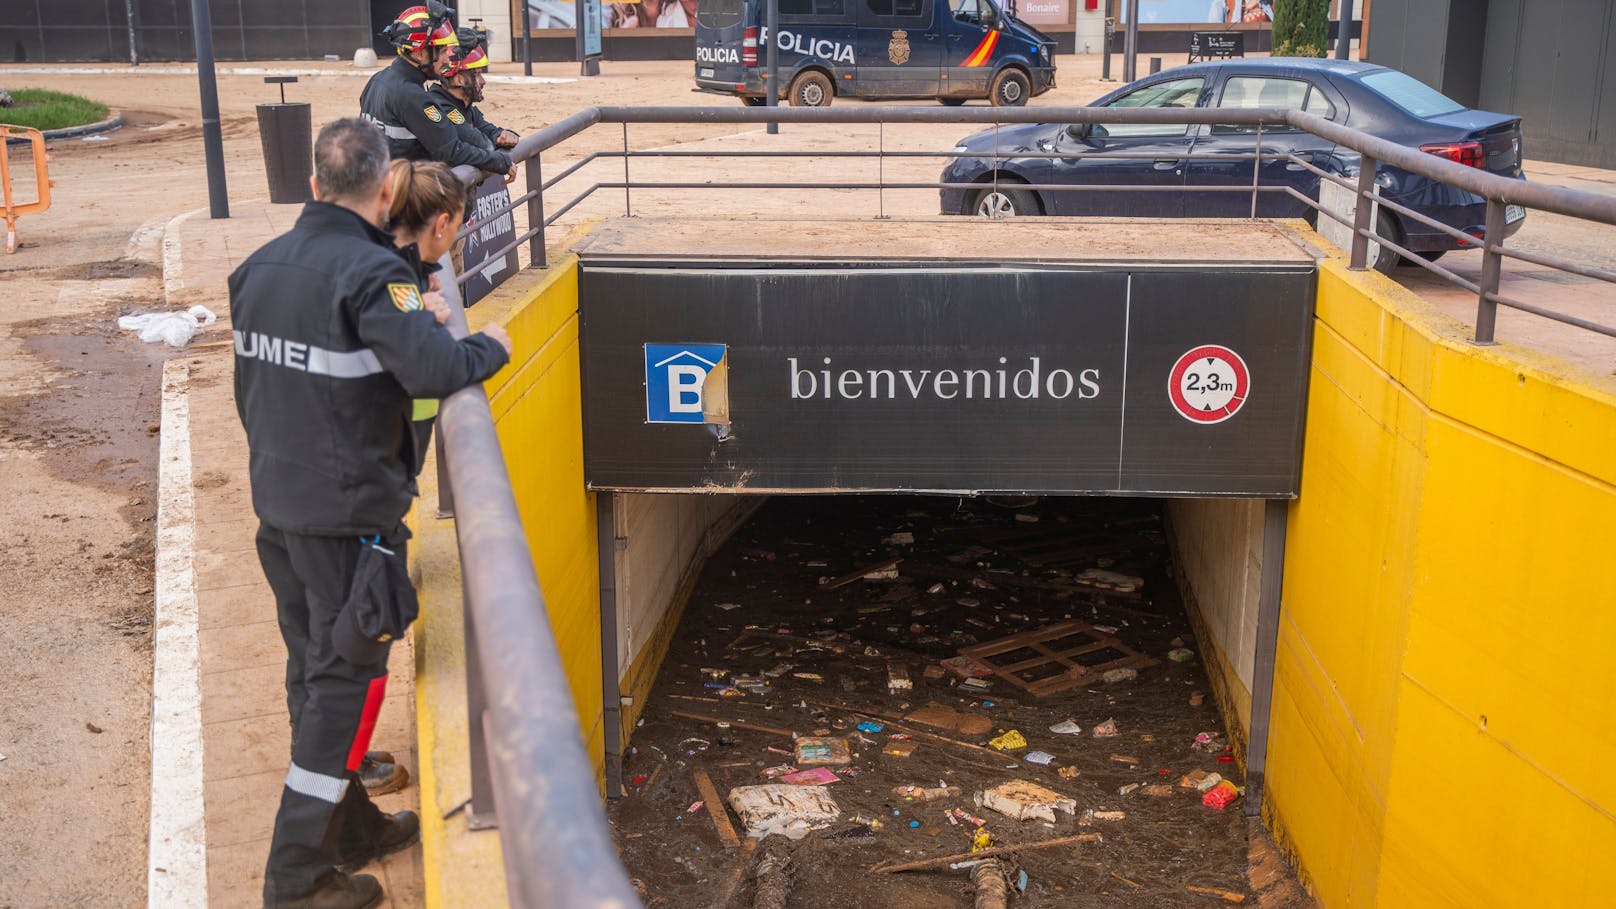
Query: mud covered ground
(773, 568)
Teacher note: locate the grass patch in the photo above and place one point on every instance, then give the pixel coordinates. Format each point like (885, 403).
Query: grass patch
(42, 110)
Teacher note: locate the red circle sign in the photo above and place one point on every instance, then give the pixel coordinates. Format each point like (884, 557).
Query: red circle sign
(1209, 384)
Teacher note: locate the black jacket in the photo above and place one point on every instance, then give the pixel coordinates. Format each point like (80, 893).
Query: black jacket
(331, 347)
(396, 100)
(468, 121)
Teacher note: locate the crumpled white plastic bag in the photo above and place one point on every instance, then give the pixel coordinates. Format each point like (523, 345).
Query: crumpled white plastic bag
(176, 329)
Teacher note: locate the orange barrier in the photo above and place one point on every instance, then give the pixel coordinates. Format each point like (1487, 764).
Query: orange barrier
(42, 181)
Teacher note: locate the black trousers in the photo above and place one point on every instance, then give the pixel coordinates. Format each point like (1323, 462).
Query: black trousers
(325, 815)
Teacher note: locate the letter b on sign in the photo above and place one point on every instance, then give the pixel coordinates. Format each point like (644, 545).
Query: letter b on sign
(676, 381)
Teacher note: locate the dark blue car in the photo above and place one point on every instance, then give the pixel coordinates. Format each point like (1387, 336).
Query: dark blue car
(1374, 99)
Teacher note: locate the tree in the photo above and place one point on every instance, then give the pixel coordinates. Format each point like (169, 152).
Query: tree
(1300, 27)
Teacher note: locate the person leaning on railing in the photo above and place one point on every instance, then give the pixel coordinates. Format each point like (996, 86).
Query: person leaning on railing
(333, 340)
(429, 203)
(463, 74)
(396, 100)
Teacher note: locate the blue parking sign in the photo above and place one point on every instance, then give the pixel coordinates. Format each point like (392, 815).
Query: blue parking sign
(676, 378)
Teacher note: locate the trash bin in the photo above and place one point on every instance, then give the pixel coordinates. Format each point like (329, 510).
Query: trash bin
(285, 132)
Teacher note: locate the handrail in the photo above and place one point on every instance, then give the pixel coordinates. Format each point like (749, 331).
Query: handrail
(541, 773)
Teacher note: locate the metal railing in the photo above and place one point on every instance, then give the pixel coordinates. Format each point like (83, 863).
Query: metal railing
(1374, 153)
(530, 769)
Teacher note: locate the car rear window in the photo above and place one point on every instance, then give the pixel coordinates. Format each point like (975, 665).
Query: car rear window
(718, 13)
(1410, 94)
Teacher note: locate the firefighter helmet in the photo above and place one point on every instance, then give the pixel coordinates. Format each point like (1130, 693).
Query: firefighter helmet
(422, 26)
(472, 54)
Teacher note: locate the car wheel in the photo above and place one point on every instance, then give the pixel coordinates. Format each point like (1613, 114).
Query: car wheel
(1430, 256)
(1010, 89)
(1386, 227)
(750, 101)
(811, 89)
(952, 102)
(1003, 202)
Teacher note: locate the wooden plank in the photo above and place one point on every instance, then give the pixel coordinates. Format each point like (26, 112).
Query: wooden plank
(735, 723)
(857, 573)
(715, 808)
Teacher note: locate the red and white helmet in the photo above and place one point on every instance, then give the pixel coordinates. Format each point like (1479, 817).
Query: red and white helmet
(422, 26)
(472, 54)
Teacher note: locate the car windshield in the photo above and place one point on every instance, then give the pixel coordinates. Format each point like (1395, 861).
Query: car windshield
(718, 13)
(1411, 94)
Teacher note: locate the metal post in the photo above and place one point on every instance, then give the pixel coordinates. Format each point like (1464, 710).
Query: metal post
(1256, 170)
(481, 814)
(212, 137)
(527, 36)
(536, 255)
(881, 172)
(1105, 48)
(628, 210)
(445, 489)
(1130, 44)
(1343, 37)
(1275, 512)
(1492, 264)
(771, 93)
(1363, 222)
(611, 696)
(129, 19)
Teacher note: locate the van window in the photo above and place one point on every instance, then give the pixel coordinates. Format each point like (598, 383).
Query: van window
(718, 13)
(899, 8)
(806, 8)
(1172, 93)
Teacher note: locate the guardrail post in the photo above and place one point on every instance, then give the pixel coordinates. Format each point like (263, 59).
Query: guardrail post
(480, 815)
(1492, 264)
(1256, 171)
(536, 256)
(1363, 222)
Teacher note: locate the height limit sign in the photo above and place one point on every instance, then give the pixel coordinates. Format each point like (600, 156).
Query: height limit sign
(1209, 384)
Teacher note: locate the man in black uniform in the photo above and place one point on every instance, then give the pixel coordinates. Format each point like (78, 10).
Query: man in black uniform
(332, 343)
(396, 99)
(463, 73)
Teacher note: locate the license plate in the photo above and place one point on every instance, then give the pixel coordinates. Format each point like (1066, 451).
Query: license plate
(1513, 213)
(705, 73)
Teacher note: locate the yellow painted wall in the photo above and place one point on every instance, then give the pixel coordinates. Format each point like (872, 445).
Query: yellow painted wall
(538, 413)
(1445, 664)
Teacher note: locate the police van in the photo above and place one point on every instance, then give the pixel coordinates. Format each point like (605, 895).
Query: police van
(951, 50)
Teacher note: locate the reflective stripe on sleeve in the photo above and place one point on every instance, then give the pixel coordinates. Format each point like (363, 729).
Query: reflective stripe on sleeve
(397, 132)
(316, 785)
(343, 364)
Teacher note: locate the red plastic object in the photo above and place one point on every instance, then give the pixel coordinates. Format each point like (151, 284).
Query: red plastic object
(1225, 759)
(1220, 796)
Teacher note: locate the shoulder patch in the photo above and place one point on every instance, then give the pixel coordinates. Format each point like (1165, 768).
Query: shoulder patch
(407, 297)
(456, 117)
(433, 114)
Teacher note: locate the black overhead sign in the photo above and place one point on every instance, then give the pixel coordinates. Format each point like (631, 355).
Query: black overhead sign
(796, 378)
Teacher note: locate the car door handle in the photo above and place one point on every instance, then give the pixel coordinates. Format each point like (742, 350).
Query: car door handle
(1165, 164)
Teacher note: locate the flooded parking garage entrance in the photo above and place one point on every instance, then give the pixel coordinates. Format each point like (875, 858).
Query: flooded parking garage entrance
(1006, 613)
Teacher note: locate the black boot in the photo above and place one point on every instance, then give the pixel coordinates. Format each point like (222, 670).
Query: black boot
(337, 891)
(398, 831)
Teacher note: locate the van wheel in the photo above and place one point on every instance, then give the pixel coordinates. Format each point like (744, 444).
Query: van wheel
(750, 101)
(1010, 89)
(952, 102)
(1001, 201)
(811, 89)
